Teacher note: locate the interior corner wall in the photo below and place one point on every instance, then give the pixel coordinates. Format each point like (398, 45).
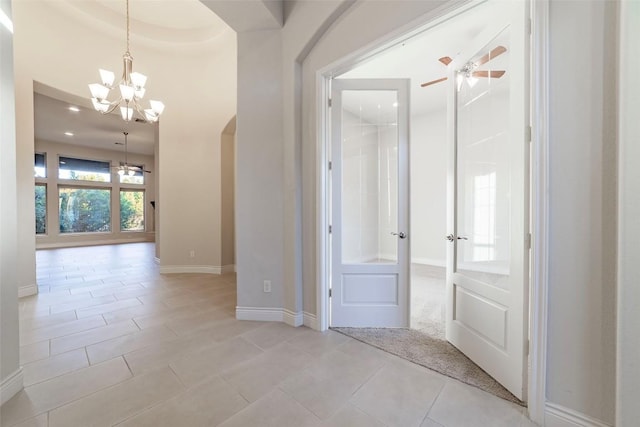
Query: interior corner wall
(9, 337)
(259, 186)
(227, 171)
(582, 208)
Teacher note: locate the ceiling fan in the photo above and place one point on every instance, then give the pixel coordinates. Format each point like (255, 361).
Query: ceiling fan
(125, 168)
(469, 69)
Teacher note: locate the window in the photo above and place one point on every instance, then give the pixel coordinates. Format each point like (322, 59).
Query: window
(40, 165)
(131, 210)
(84, 170)
(84, 210)
(136, 178)
(41, 208)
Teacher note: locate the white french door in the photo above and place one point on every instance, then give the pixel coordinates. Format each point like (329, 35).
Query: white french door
(369, 203)
(488, 200)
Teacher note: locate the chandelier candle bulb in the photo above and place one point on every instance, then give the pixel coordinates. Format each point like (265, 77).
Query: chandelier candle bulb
(131, 90)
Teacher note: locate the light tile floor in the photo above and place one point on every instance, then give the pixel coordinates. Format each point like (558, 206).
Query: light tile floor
(110, 341)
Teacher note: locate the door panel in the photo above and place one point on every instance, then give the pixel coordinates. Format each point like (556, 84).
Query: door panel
(487, 261)
(369, 176)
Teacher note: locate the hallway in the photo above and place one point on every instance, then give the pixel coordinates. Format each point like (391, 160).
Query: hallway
(110, 341)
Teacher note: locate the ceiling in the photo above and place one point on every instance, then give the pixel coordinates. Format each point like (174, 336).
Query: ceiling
(417, 58)
(182, 24)
(53, 118)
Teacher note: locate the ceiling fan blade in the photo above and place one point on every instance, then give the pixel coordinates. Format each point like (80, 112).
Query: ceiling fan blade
(494, 74)
(433, 82)
(499, 50)
(445, 60)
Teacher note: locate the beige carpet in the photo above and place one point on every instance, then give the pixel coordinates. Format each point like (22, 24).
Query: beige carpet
(432, 353)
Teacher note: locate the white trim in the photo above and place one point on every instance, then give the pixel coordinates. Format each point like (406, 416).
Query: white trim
(81, 243)
(311, 321)
(176, 269)
(429, 261)
(559, 416)
(536, 393)
(28, 290)
(270, 314)
(292, 318)
(11, 386)
(231, 268)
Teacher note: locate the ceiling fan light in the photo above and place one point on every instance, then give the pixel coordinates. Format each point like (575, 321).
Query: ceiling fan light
(121, 171)
(131, 172)
(99, 91)
(138, 80)
(107, 77)
(127, 113)
(157, 107)
(127, 92)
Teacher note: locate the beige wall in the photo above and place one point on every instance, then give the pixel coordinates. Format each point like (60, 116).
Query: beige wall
(53, 237)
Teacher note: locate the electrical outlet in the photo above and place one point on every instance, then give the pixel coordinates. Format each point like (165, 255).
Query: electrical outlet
(267, 286)
(192, 253)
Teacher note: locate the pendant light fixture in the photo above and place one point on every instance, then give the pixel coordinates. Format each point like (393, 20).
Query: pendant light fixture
(131, 88)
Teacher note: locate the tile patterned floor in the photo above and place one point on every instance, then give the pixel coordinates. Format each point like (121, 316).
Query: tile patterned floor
(109, 341)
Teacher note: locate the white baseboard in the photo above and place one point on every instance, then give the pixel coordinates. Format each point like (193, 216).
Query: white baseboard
(429, 261)
(81, 243)
(559, 416)
(292, 318)
(311, 321)
(260, 314)
(267, 314)
(231, 268)
(25, 291)
(11, 386)
(176, 269)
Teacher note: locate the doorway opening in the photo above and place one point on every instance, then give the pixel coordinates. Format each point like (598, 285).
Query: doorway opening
(446, 300)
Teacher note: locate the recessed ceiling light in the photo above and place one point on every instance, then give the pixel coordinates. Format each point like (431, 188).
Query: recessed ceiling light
(69, 133)
(74, 109)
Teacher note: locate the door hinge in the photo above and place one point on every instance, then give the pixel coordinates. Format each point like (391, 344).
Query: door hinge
(329, 102)
(528, 241)
(526, 348)
(329, 292)
(330, 229)
(527, 134)
(330, 165)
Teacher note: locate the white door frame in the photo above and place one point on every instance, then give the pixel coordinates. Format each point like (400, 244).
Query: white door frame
(539, 181)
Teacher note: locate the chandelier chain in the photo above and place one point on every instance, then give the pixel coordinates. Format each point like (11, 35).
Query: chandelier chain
(127, 26)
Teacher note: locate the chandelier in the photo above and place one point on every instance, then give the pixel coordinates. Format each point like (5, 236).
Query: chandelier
(131, 91)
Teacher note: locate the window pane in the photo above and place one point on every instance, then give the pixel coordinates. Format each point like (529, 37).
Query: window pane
(40, 165)
(136, 178)
(41, 209)
(131, 210)
(85, 170)
(84, 210)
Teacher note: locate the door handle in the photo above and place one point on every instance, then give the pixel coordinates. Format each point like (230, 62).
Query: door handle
(401, 234)
(451, 237)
